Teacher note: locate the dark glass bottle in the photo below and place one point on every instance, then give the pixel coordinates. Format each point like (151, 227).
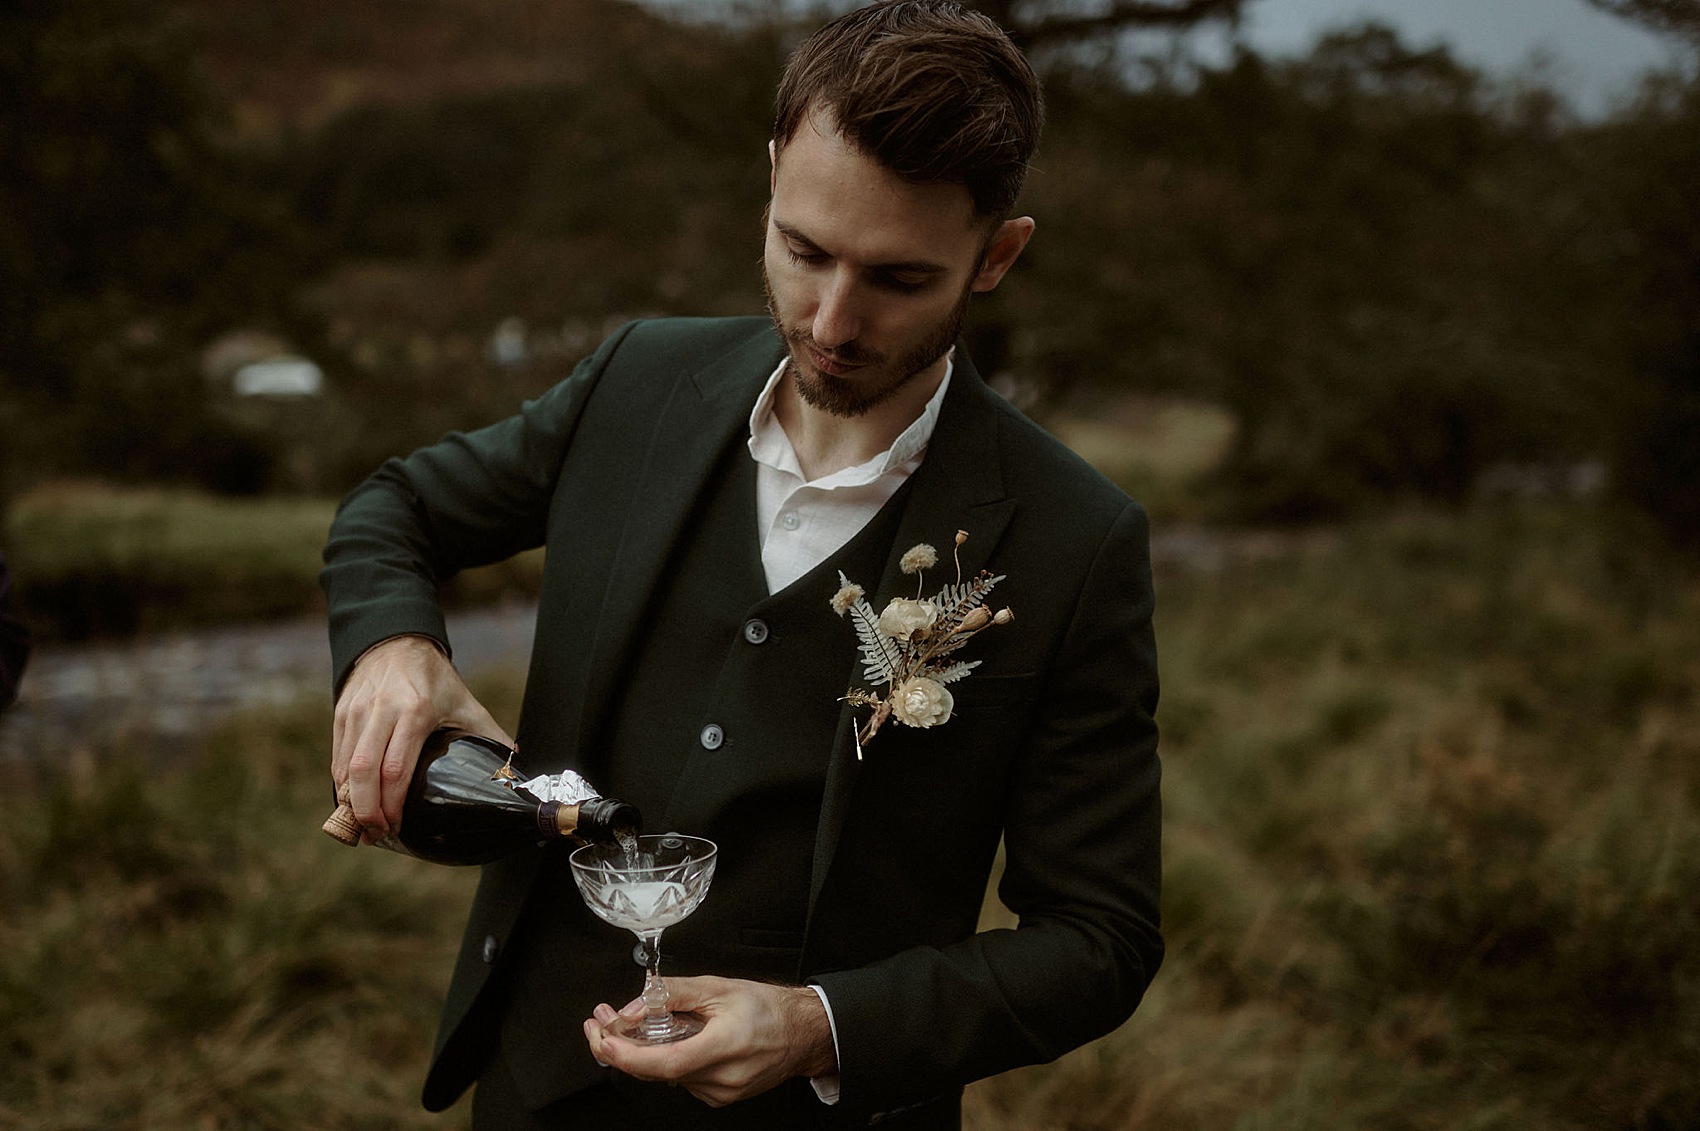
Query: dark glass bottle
(465, 806)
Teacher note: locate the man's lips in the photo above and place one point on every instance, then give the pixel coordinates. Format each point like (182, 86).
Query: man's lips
(827, 365)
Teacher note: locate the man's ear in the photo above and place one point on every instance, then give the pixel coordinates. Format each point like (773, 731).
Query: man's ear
(1002, 250)
(772, 165)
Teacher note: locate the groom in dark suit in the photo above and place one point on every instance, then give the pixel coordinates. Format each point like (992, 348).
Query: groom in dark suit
(701, 486)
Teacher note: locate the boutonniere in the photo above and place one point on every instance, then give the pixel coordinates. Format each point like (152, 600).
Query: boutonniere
(908, 647)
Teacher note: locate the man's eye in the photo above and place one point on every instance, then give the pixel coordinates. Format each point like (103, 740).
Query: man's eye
(807, 258)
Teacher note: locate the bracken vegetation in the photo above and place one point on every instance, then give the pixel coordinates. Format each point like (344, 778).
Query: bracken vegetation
(1433, 843)
(1433, 859)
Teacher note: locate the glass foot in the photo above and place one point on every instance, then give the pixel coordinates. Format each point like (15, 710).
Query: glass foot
(661, 1030)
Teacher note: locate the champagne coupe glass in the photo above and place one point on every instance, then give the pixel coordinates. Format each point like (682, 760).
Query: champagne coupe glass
(646, 886)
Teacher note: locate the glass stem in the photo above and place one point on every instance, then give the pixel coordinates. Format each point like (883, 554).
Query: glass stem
(655, 995)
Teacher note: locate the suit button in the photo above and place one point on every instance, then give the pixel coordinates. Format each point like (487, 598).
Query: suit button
(491, 949)
(712, 736)
(640, 956)
(755, 631)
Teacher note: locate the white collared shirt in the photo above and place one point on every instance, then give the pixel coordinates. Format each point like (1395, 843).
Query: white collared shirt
(802, 522)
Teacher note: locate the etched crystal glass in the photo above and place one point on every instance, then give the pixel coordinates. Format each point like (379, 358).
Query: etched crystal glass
(645, 886)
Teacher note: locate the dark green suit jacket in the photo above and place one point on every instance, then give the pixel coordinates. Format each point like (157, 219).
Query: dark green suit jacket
(1052, 745)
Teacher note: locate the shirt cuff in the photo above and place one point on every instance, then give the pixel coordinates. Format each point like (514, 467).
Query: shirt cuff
(826, 1087)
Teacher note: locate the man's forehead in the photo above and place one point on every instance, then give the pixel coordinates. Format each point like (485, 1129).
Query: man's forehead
(822, 177)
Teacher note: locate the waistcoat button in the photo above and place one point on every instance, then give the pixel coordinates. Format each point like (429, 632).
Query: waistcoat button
(640, 956)
(712, 736)
(491, 949)
(755, 631)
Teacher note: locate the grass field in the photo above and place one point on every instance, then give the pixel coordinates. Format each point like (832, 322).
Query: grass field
(1432, 844)
(93, 560)
(1432, 862)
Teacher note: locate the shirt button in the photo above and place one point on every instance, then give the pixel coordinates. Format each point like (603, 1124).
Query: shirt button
(491, 949)
(755, 631)
(790, 521)
(712, 736)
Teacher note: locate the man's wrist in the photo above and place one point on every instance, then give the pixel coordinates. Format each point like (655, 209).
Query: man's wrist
(810, 1032)
(388, 643)
(406, 639)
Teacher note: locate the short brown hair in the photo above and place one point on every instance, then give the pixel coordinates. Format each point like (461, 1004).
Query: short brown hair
(935, 93)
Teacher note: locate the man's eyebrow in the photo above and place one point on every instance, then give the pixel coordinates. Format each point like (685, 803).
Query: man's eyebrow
(901, 267)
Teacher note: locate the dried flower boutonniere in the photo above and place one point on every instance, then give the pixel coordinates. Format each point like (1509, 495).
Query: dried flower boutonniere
(907, 647)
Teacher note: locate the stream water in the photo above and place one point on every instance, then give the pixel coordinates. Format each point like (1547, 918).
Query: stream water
(157, 691)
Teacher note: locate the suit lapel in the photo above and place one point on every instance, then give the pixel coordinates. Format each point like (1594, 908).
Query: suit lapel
(958, 486)
(705, 412)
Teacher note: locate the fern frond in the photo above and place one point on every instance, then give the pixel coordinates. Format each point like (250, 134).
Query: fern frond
(880, 653)
(955, 671)
(958, 600)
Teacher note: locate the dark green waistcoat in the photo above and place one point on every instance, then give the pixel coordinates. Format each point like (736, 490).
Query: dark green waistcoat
(722, 729)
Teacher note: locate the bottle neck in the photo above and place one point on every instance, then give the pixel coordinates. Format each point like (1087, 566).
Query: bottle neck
(599, 819)
(556, 819)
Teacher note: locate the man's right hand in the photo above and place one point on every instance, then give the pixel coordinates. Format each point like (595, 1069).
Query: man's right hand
(397, 693)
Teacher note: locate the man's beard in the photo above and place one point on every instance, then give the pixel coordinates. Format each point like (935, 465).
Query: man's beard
(878, 379)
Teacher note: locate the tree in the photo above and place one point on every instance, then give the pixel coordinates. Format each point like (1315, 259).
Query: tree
(1046, 23)
(1677, 17)
(1651, 158)
(1389, 275)
(128, 236)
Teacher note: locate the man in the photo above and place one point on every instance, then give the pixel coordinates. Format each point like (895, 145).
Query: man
(700, 486)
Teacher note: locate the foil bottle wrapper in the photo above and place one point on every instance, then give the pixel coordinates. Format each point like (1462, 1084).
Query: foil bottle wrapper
(566, 787)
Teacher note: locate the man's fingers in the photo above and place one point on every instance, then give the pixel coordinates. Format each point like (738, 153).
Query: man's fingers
(339, 746)
(674, 1063)
(397, 693)
(401, 754)
(593, 1038)
(690, 993)
(363, 794)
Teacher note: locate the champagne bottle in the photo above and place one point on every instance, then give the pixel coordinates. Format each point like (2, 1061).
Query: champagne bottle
(467, 805)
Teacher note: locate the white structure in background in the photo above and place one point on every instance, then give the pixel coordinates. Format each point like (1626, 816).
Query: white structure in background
(285, 376)
(253, 363)
(507, 346)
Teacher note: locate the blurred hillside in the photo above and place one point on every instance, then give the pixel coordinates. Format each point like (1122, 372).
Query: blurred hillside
(294, 65)
(1401, 280)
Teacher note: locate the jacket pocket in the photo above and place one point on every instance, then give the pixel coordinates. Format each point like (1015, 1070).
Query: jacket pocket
(996, 690)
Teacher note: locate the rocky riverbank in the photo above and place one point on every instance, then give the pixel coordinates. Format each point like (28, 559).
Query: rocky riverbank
(163, 690)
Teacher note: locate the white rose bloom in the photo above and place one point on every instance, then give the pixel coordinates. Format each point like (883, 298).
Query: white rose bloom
(922, 702)
(904, 618)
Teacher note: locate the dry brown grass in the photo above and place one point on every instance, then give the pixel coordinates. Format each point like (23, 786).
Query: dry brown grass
(1432, 862)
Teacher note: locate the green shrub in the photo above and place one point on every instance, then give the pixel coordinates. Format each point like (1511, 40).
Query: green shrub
(90, 560)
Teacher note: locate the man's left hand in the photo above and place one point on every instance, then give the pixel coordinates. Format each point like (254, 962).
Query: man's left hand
(756, 1036)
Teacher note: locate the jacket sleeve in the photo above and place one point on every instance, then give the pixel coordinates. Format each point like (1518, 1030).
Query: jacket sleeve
(1082, 845)
(471, 499)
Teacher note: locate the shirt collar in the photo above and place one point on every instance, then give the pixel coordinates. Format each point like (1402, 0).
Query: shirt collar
(770, 445)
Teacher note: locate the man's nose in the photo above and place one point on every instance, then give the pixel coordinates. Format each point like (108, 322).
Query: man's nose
(837, 320)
